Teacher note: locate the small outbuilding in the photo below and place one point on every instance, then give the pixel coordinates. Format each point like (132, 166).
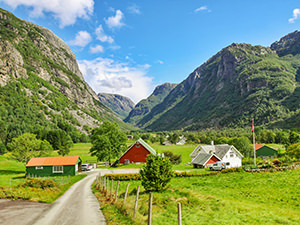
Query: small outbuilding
(137, 152)
(265, 151)
(53, 166)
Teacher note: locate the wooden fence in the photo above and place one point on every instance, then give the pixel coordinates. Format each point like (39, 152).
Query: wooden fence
(105, 185)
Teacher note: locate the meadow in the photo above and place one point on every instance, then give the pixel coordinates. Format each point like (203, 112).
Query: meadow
(231, 198)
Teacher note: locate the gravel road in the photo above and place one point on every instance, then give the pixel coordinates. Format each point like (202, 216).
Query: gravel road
(78, 205)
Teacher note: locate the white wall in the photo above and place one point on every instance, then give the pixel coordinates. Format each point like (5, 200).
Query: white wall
(234, 159)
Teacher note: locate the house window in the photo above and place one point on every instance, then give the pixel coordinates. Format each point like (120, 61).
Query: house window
(137, 145)
(231, 154)
(58, 169)
(228, 164)
(38, 167)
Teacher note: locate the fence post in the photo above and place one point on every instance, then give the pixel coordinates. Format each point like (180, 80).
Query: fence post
(103, 186)
(126, 192)
(117, 191)
(107, 185)
(136, 201)
(111, 188)
(179, 213)
(150, 209)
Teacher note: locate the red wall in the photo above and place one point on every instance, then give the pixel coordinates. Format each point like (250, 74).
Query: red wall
(212, 160)
(135, 154)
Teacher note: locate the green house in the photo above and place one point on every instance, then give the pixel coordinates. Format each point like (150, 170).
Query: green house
(265, 151)
(53, 166)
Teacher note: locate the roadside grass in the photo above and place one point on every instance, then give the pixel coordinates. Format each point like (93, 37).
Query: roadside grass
(39, 194)
(231, 198)
(12, 174)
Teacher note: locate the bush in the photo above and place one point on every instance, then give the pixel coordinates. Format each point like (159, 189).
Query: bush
(39, 183)
(277, 163)
(156, 174)
(175, 159)
(129, 176)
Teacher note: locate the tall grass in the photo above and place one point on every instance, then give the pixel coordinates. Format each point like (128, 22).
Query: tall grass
(232, 198)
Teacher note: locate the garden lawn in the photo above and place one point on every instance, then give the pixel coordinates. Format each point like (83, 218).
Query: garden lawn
(232, 198)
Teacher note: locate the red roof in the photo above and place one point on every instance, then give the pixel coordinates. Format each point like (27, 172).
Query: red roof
(258, 146)
(53, 161)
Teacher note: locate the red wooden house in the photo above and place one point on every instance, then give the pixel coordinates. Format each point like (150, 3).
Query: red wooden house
(137, 152)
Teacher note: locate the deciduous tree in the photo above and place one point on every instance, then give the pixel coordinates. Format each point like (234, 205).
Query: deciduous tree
(27, 146)
(108, 141)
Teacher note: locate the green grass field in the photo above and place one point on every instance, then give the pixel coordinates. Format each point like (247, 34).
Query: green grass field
(232, 198)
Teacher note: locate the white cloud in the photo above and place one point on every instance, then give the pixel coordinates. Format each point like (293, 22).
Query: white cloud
(109, 76)
(102, 36)
(160, 61)
(96, 49)
(134, 9)
(82, 39)
(115, 21)
(296, 15)
(202, 8)
(66, 11)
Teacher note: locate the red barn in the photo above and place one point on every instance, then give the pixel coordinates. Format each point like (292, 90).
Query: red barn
(137, 152)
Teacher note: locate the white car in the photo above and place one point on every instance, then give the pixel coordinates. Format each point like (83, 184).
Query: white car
(218, 166)
(86, 167)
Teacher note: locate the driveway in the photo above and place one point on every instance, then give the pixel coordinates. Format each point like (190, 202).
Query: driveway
(78, 205)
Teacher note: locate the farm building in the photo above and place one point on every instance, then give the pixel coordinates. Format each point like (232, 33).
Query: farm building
(137, 152)
(53, 166)
(265, 151)
(206, 155)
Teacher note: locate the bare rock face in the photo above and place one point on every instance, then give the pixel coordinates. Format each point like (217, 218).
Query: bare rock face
(11, 63)
(28, 50)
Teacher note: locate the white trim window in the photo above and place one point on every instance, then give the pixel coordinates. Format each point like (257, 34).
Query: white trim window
(39, 168)
(58, 169)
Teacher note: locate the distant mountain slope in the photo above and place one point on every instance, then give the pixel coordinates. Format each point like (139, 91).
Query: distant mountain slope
(146, 105)
(41, 86)
(239, 82)
(118, 103)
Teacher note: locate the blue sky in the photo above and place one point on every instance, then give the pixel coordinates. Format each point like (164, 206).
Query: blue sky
(129, 47)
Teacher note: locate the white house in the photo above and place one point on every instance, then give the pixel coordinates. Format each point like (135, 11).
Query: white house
(205, 155)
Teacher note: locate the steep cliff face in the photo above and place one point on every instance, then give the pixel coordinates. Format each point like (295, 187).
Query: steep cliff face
(43, 66)
(145, 106)
(119, 104)
(239, 82)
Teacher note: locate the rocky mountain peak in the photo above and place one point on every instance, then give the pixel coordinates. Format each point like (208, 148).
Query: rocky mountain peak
(289, 44)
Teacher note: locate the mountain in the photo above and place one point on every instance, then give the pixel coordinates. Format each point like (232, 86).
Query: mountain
(238, 83)
(119, 104)
(145, 106)
(41, 86)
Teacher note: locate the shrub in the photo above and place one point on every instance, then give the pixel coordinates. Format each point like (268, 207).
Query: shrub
(129, 176)
(277, 162)
(38, 183)
(175, 159)
(156, 174)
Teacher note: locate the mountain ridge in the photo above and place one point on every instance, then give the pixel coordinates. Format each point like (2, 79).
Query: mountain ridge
(43, 71)
(239, 82)
(121, 105)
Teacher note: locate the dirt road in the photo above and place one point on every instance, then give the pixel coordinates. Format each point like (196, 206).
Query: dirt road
(78, 205)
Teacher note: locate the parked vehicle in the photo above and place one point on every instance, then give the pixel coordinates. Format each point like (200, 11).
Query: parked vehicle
(86, 167)
(218, 166)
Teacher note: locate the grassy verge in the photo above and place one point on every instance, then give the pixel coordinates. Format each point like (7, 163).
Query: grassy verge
(231, 198)
(12, 178)
(37, 193)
